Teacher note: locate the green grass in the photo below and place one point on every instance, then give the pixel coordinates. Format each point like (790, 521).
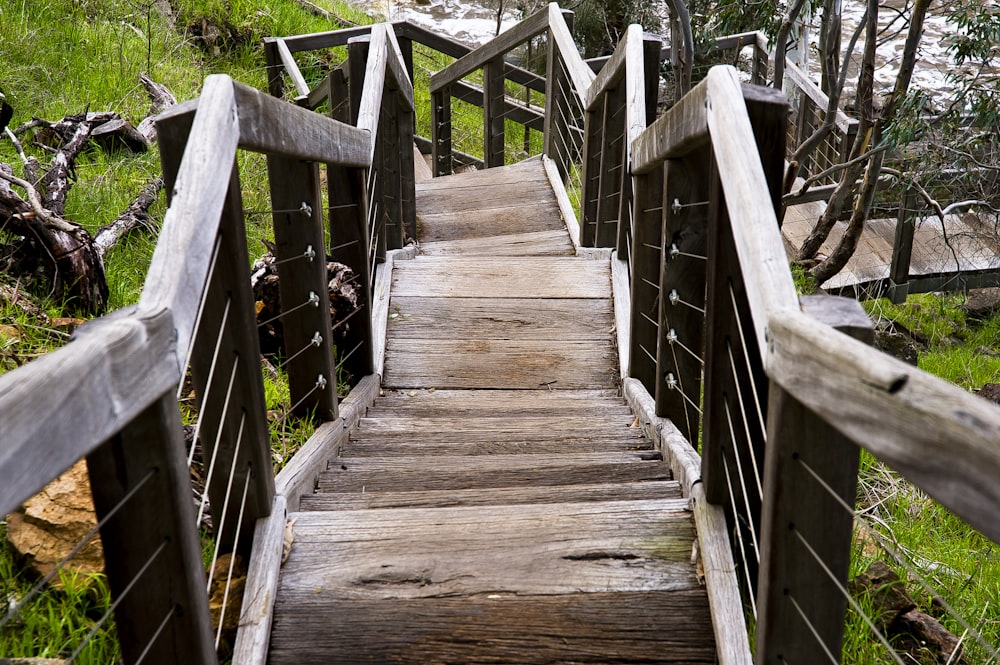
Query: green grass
(57, 621)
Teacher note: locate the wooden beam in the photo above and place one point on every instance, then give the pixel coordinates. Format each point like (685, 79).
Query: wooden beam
(291, 68)
(935, 434)
(113, 369)
(682, 129)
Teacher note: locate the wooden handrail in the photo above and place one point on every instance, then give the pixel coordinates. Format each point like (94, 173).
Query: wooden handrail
(580, 75)
(527, 29)
(937, 435)
(802, 82)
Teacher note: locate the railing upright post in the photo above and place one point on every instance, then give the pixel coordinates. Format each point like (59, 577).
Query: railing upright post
(357, 63)
(154, 527)
(682, 289)
(228, 341)
(275, 85)
(902, 247)
(593, 140)
(348, 224)
(614, 157)
(303, 286)
(390, 160)
(645, 263)
(441, 131)
(801, 514)
(408, 196)
(553, 124)
(493, 112)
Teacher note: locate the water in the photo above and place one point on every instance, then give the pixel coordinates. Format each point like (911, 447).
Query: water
(471, 23)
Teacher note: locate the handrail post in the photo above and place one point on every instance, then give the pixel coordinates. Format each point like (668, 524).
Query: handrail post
(441, 131)
(802, 513)
(357, 63)
(158, 525)
(493, 112)
(902, 247)
(388, 162)
(593, 137)
(553, 99)
(645, 262)
(227, 338)
(303, 285)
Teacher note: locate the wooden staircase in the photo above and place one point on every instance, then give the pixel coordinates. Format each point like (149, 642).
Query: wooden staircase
(499, 503)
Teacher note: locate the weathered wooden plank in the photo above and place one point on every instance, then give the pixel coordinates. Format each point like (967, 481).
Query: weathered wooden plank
(611, 628)
(254, 633)
(538, 243)
(935, 434)
(495, 496)
(622, 306)
(378, 422)
(499, 364)
(464, 472)
(112, 370)
(291, 67)
(728, 621)
(553, 548)
(298, 477)
(511, 174)
(580, 75)
(509, 277)
(508, 318)
(571, 442)
(476, 402)
(487, 223)
(380, 302)
(140, 481)
(482, 194)
(562, 200)
(796, 505)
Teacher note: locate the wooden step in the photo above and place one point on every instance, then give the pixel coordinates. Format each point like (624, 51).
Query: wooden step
(537, 243)
(500, 364)
(354, 474)
(474, 403)
(500, 318)
(599, 582)
(379, 421)
(502, 277)
(494, 496)
(498, 444)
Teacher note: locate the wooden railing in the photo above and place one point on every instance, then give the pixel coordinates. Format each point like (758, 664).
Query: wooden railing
(791, 389)
(111, 395)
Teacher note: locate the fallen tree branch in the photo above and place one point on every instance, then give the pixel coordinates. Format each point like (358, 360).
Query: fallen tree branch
(136, 215)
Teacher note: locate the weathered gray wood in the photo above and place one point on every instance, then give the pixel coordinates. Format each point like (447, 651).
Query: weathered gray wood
(297, 216)
(357, 69)
(938, 436)
(562, 201)
(348, 222)
(815, 96)
(538, 243)
(226, 376)
(464, 472)
(763, 261)
(902, 246)
(254, 633)
(622, 296)
(190, 225)
(380, 301)
(509, 277)
(518, 112)
(608, 627)
(679, 131)
(388, 186)
(476, 402)
(491, 318)
(797, 506)
(370, 104)
(548, 549)
(112, 370)
(728, 621)
(458, 426)
(569, 442)
(299, 476)
(155, 526)
(613, 164)
(501, 364)
(496, 496)
(291, 68)
(580, 75)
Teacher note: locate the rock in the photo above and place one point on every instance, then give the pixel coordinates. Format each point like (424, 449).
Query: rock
(51, 523)
(234, 601)
(896, 340)
(982, 303)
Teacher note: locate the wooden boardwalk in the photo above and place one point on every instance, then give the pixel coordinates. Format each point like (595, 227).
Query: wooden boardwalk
(498, 504)
(964, 252)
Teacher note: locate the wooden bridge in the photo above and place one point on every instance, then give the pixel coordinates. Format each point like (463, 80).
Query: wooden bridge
(514, 475)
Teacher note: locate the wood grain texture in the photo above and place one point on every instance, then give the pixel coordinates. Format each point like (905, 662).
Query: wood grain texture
(552, 548)
(544, 243)
(938, 436)
(506, 277)
(606, 628)
(464, 472)
(494, 402)
(495, 496)
(495, 318)
(503, 364)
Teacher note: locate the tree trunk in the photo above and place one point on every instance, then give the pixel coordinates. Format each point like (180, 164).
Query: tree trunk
(849, 242)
